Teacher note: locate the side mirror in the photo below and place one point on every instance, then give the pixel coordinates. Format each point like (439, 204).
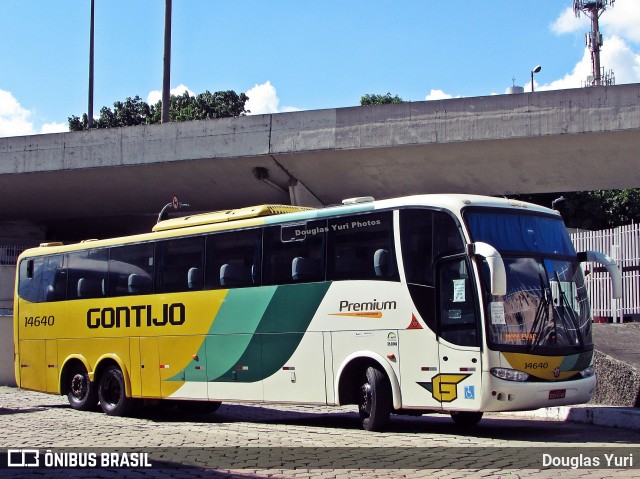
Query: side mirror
(498, 279)
(611, 267)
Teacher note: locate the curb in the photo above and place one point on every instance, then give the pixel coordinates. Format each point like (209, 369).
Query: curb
(600, 415)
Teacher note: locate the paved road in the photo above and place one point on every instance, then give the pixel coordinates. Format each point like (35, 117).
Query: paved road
(251, 441)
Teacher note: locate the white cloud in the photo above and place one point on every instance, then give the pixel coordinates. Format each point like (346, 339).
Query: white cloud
(568, 22)
(438, 95)
(54, 127)
(575, 79)
(155, 96)
(619, 26)
(622, 19)
(619, 56)
(264, 99)
(616, 55)
(14, 118)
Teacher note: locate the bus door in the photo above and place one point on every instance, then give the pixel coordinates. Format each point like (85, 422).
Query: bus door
(149, 367)
(457, 386)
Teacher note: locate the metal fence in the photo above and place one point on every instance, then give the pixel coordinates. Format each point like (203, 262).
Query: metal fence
(9, 253)
(623, 245)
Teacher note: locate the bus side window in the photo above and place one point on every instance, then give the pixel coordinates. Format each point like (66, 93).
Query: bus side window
(131, 269)
(54, 282)
(174, 260)
(43, 279)
(361, 247)
(458, 318)
(426, 236)
(416, 230)
(294, 253)
(447, 239)
(233, 259)
(30, 279)
(87, 272)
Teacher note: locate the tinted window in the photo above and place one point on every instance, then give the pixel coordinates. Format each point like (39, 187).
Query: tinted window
(87, 271)
(294, 253)
(458, 319)
(426, 236)
(43, 279)
(361, 247)
(179, 265)
(233, 259)
(131, 269)
(520, 232)
(30, 282)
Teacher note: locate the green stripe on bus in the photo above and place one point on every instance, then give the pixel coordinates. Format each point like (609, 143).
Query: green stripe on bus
(233, 328)
(279, 333)
(242, 310)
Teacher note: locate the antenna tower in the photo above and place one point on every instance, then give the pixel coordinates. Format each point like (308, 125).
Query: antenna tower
(593, 9)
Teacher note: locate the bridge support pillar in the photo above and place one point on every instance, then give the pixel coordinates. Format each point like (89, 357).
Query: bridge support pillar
(300, 195)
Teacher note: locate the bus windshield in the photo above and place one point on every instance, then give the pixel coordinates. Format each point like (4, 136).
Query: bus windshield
(546, 309)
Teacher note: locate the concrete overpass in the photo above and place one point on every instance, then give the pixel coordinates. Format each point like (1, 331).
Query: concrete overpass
(105, 182)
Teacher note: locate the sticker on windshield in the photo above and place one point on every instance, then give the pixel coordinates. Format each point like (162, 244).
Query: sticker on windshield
(458, 291)
(497, 313)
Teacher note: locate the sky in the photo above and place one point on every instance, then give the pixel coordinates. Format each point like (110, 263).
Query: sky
(290, 55)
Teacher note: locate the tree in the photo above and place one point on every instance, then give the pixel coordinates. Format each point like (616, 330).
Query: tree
(134, 111)
(593, 210)
(370, 99)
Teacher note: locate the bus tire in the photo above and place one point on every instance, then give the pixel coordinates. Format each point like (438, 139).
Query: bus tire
(466, 418)
(374, 400)
(112, 392)
(82, 393)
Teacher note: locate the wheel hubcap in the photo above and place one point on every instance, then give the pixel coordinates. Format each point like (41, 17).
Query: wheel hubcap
(78, 386)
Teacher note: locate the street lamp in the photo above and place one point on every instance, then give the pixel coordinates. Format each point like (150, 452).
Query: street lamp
(535, 70)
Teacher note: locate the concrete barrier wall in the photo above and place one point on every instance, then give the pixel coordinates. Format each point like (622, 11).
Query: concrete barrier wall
(7, 278)
(7, 375)
(618, 383)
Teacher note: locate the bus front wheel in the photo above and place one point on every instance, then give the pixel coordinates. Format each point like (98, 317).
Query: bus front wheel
(82, 393)
(112, 394)
(374, 400)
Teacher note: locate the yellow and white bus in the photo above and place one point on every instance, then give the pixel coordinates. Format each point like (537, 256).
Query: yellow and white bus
(435, 303)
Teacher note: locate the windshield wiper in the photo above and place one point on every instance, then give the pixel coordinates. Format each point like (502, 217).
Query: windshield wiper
(570, 312)
(541, 318)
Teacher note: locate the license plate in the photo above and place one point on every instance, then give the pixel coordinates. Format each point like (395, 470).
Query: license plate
(557, 394)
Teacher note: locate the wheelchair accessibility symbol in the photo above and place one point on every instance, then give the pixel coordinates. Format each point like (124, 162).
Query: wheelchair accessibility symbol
(469, 392)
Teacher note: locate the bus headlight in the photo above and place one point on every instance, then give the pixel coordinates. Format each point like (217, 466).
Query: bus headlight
(588, 372)
(509, 374)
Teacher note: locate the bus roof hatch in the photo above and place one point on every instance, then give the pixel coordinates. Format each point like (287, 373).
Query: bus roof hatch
(227, 215)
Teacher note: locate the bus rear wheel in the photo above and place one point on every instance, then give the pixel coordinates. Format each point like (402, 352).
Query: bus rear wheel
(466, 418)
(374, 400)
(82, 393)
(112, 393)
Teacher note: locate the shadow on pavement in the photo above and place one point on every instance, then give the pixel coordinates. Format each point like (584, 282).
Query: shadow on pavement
(490, 427)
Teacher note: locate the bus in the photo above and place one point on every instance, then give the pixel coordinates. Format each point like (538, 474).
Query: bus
(456, 304)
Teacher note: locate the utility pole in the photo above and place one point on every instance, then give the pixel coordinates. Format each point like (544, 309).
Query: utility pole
(166, 76)
(593, 9)
(91, 44)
